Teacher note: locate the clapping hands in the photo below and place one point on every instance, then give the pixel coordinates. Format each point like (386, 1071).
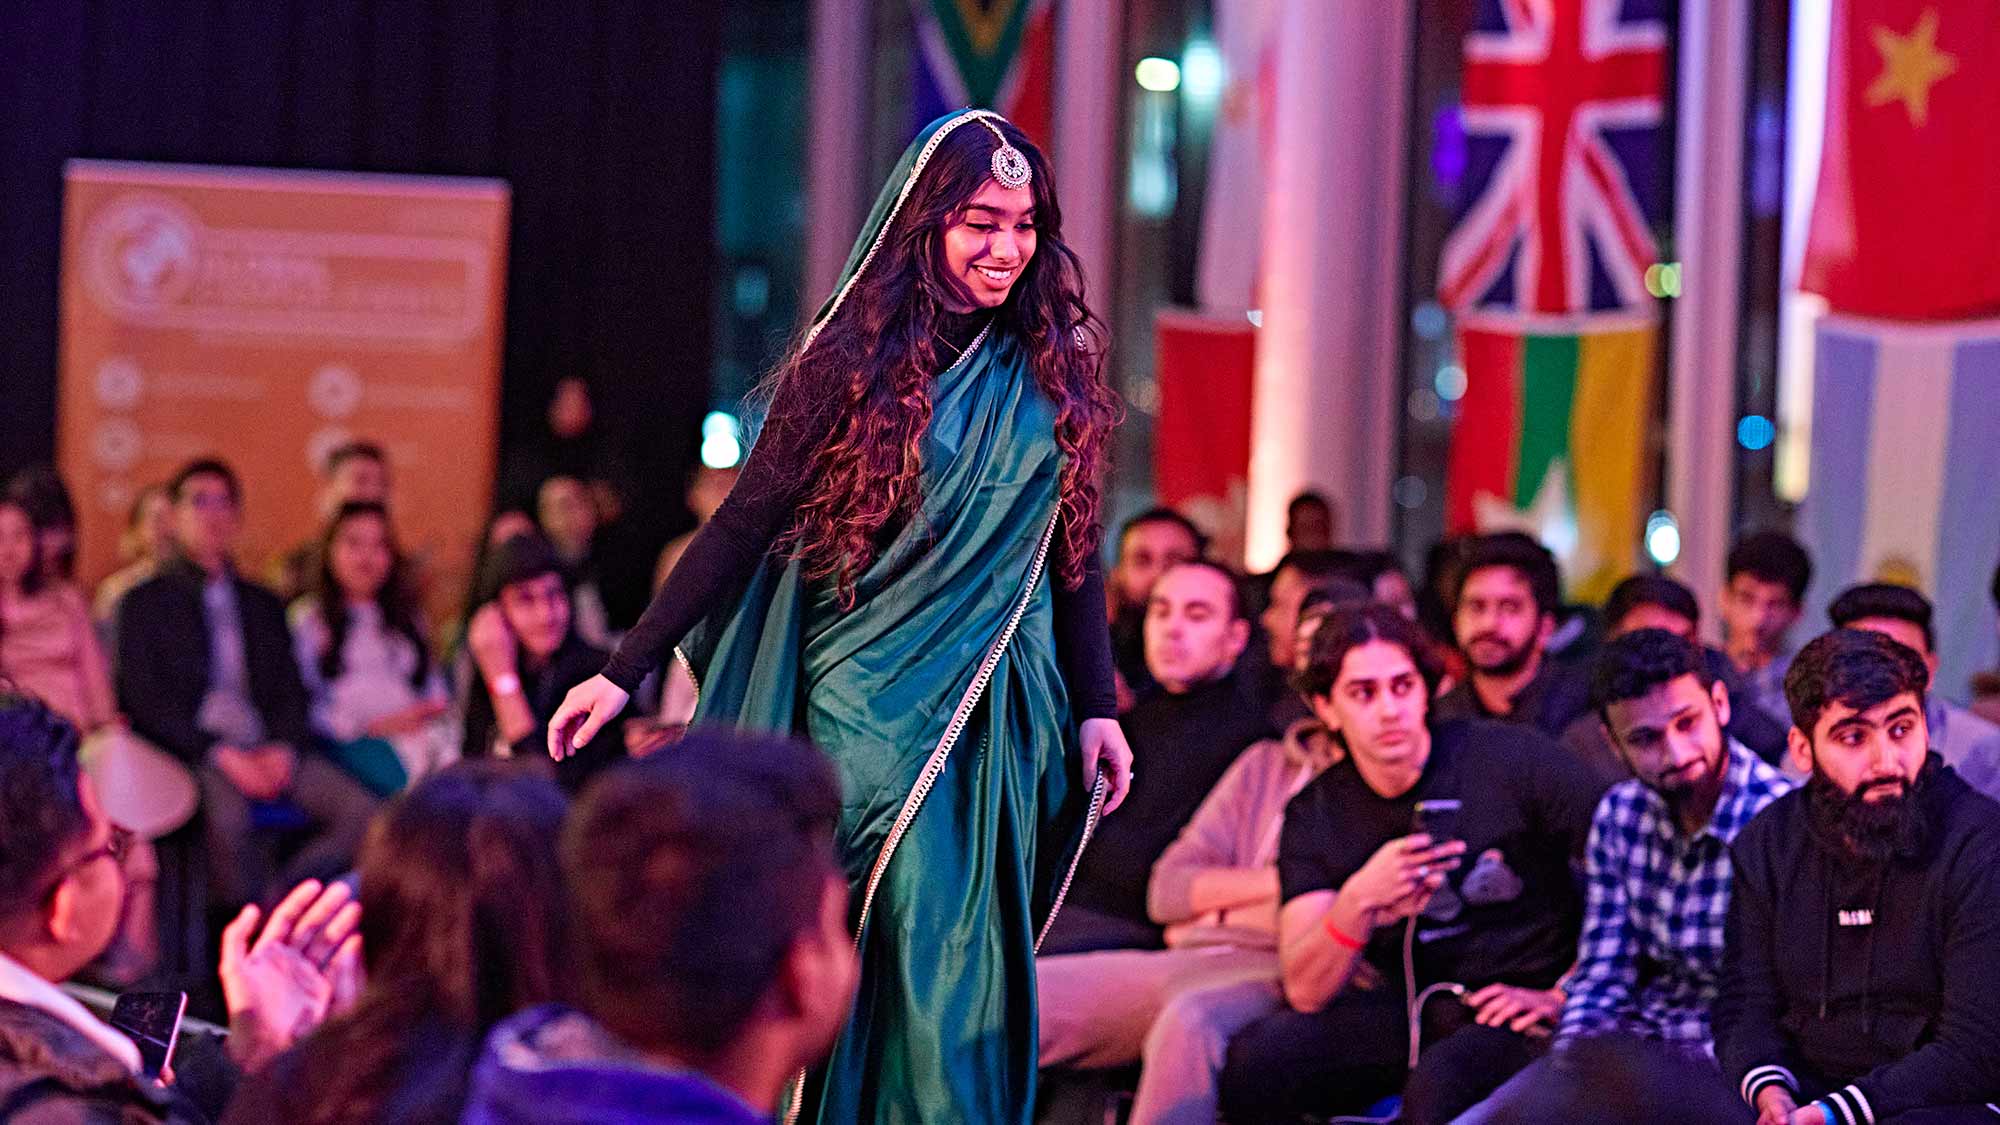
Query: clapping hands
(303, 967)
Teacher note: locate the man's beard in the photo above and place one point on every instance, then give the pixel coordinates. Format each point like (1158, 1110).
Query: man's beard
(1891, 827)
(1515, 659)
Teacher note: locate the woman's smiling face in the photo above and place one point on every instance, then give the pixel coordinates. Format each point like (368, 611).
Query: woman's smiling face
(990, 241)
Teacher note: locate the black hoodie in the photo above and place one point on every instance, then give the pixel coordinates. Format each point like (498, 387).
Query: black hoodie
(1876, 986)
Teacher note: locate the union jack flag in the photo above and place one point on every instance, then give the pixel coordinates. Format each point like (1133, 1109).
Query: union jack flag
(1565, 160)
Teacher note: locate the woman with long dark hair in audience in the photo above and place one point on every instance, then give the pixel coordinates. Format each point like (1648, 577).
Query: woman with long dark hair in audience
(40, 491)
(932, 452)
(377, 693)
(48, 647)
(463, 922)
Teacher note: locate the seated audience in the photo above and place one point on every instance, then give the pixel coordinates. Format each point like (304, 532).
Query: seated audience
(707, 488)
(355, 472)
(1966, 742)
(1864, 923)
(1657, 873)
(1763, 593)
(62, 886)
(1504, 611)
(1387, 581)
(377, 695)
(523, 645)
(716, 957)
(206, 671)
(40, 492)
(464, 921)
(1148, 544)
(1986, 685)
(1310, 523)
(48, 647)
(1360, 888)
(1654, 601)
(1215, 889)
(146, 542)
(566, 510)
(1297, 577)
(1182, 740)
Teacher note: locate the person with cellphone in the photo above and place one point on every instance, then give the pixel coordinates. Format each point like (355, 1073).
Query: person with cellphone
(1384, 926)
(62, 888)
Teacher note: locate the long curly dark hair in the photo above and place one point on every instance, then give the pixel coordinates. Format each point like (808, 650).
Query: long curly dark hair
(874, 361)
(397, 598)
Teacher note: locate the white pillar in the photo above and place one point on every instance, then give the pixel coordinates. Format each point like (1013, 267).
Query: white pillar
(1708, 229)
(1089, 54)
(837, 136)
(1324, 410)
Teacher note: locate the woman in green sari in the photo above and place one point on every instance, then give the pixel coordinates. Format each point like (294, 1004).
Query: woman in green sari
(906, 573)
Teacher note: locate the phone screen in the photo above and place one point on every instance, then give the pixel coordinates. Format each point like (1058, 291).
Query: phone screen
(153, 1021)
(1437, 818)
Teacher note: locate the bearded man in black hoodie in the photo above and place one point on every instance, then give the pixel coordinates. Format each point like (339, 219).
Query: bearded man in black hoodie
(1861, 979)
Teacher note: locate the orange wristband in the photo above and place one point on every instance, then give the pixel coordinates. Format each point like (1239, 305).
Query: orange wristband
(1339, 938)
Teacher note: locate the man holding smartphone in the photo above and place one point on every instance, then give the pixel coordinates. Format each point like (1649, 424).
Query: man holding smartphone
(1379, 920)
(62, 889)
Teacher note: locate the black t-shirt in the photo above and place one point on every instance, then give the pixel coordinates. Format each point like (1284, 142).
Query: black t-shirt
(1519, 900)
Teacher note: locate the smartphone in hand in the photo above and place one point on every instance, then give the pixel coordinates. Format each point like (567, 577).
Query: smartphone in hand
(152, 1020)
(1437, 819)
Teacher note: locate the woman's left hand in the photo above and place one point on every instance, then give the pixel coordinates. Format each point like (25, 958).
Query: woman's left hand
(1104, 747)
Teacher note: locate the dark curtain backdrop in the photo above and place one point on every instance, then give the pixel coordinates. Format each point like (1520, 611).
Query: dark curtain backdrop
(599, 113)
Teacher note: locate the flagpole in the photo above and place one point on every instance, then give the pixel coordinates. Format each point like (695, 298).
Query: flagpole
(1708, 226)
(1323, 411)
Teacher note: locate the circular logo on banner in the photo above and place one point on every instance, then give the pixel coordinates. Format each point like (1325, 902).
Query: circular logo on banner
(334, 391)
(119, 383)
(115, 444)
(139, 252)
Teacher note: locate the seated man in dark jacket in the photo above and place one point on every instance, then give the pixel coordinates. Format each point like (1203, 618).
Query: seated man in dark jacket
(206, 671)
(1861, 973)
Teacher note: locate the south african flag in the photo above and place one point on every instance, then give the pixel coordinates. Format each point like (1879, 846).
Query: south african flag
(999, 54)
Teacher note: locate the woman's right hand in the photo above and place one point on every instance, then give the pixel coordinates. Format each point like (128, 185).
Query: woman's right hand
(584, 711)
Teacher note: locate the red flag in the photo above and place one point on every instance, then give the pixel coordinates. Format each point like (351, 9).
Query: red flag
(1205, 367)
(1908, 210)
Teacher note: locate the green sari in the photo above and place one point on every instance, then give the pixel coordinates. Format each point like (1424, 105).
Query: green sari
(940, 700)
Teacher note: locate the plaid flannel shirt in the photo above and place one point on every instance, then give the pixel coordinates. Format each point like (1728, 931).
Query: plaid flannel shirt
(1650, 959)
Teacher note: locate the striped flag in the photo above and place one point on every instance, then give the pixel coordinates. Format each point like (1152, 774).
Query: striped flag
(1550, 441)
(1564, 189)
(999, 54)
(1905, 463)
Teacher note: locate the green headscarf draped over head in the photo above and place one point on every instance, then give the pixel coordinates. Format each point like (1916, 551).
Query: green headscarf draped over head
(895, 192)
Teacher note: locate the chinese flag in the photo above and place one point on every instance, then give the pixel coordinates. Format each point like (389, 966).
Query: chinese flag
(1907, 213)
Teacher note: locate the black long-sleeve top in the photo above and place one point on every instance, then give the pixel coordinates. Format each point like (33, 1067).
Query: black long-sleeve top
(759, 508)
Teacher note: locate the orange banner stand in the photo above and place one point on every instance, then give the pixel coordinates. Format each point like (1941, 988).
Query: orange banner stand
(266, 317)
